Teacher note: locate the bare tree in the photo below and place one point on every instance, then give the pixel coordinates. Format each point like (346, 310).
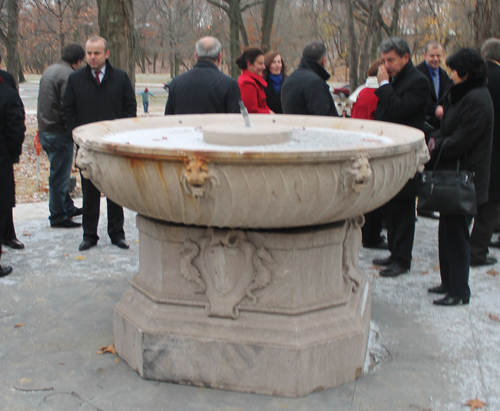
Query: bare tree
(10, 38)
(268, 10)
(116, 25)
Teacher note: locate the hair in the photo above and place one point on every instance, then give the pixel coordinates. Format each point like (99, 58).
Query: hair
(432, 44)
(372, 71)
(314, 50)
(467, 61)
(93, 39)
(73, 53)
(396, 44)
(491, 49)
(268, 59)
(208, 48)
(248, 56)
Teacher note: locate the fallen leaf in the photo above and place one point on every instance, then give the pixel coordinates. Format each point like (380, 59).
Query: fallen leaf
(374, 268)
(475, 403)
(494, 318)
(26, 234)
(116, 360)
(492, 272)
(80, 257)
(425, 272)
(66, 255)
(19, 325)
(107, 349)
(137, 241)
(436, 268)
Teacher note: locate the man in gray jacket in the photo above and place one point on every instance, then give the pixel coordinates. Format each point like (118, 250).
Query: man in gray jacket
(54, 138)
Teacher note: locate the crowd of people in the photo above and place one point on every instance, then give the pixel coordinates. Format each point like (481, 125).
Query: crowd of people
(456, 112)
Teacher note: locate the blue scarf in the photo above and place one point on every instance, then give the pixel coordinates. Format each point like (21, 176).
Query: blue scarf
(277, 81)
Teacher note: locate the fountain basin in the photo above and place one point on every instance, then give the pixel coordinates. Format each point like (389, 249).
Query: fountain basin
(250, 186)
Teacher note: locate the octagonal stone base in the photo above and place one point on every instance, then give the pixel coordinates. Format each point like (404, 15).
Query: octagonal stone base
(279, 312)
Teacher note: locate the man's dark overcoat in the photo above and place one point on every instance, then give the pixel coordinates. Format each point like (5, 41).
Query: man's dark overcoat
(494, 89)
(85, 102)
(12, 130)
(444, 85)
(203, 89)
(305, 91)
(467, 127)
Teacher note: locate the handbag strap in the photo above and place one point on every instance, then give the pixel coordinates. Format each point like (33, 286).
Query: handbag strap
(439, 156)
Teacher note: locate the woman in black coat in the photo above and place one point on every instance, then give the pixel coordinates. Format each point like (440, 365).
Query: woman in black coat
(275, 75)
(466, 134)
(12, 130)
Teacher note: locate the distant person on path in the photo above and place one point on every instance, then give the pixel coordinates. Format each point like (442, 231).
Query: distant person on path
(55, 140)
(9, 237)
(98, 92)
(466, 134)
(145, 99)
(489, 213)
(305, 91)
(204, 89)
(275, 75)
(12, 131)
(403, 94)
(251, 81)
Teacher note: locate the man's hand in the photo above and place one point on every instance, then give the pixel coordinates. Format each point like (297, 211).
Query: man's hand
(431, 145)
(439, 112)
(382, 74)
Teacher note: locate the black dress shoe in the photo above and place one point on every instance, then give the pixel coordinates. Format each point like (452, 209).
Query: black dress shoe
(14, 243)
(66, 224)
(488, 261)
(86, 244)
(382, 261)
(5, 270)
(441, 289)
(394, 270)
(379, 245)
(78, 211)
(428, 214)
(121, 243)
(448, 300)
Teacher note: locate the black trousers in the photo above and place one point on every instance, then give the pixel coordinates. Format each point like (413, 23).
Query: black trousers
(91, 210)
(3, 218)
(9, 233)
(372, 228)
(454, 253)
(484, 224)
(400, 219)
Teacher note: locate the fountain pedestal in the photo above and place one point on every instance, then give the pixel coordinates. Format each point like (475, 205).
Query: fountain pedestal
(280, 312)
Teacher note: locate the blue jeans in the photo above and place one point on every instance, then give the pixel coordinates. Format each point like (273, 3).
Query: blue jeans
(59, 149)
(146, 105)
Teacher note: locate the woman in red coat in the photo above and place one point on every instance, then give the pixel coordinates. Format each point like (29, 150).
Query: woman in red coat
(251, 82)
(366, 101)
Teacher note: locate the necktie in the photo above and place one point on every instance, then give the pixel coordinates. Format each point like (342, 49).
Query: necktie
(436, 82)
(98, 80)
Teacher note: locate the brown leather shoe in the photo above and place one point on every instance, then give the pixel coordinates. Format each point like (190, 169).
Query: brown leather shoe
(14, 243)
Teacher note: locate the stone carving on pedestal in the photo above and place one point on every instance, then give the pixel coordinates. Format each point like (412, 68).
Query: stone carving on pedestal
(350, 252)
(226, 267)
(196, 178)
(88, 164)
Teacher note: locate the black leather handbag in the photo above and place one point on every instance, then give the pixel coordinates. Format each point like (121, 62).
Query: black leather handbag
(447, 191)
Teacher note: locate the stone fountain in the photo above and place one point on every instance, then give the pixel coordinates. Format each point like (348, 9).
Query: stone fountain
(249, 241)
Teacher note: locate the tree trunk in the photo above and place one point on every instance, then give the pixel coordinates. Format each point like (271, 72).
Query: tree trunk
(116, 25)
(366, 44)
(268, 9)
(352, 56)
(22, 79)
(234, 36)
(11, 45)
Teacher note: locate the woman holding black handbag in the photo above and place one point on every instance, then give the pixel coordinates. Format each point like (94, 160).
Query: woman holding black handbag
(465, 136)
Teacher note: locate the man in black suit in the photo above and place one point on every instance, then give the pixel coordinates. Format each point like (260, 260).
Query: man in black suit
(9, 237)
(98, 92)
(440, 83)
(489, 213)
(204, 88)
(403, 94)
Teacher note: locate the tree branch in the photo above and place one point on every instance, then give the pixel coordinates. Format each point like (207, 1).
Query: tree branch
(221, 6)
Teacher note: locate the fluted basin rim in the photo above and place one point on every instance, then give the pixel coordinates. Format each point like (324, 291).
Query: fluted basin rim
(405, 139)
